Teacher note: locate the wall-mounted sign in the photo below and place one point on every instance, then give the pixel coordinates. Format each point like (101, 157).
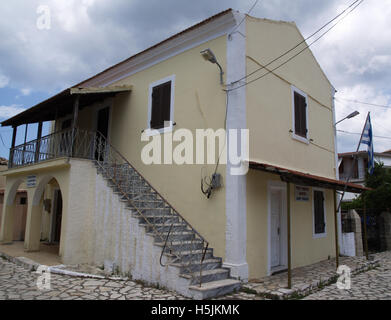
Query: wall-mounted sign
(31, 181)
(302, 193)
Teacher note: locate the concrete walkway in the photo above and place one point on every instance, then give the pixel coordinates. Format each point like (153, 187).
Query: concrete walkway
(308, 279)
(48, 254)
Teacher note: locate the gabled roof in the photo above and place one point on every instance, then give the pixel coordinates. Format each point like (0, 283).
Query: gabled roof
(63, 99)
(160, 43)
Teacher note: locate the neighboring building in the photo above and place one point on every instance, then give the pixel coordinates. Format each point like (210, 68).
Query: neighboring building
(353, 166)
(110, 215)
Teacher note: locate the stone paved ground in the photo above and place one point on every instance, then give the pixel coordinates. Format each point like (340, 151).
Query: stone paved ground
(305, 280)
(17, 283)
(374, 284)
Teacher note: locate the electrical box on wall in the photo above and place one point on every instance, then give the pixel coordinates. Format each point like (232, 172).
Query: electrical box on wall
(216, 181)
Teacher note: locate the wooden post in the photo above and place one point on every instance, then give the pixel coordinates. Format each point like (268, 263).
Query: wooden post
(11, 160)
(336, 229)
(25, 141)
(74, 123)
(288, 206)
(38, 144)
(365, 228)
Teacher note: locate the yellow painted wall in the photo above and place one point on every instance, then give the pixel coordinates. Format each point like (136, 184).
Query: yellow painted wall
(269, 101)
(57, 169)
(269, 118)
(199, 104)
(305, 248)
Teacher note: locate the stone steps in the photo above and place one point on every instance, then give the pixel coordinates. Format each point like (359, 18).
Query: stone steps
(183, 250)
(214, 288)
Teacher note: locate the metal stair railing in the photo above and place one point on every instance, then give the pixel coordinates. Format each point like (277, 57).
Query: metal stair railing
(85, 144)
(116, 168)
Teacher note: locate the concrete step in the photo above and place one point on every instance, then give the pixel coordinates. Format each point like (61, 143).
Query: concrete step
(152, 211)
(179, 246)
(137, 196)
(193, 255)
(157, 219)
(208, 264)
(149, 203)
(175, 236)
(162, 228)
(214, 288)
(207, 276)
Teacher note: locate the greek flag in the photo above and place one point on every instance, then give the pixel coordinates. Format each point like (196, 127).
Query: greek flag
(368, 140)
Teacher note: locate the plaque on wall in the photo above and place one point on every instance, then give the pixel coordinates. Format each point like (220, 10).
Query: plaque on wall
(31, 181)
(302, 193)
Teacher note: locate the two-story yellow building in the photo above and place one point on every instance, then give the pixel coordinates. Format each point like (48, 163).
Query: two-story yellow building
(152, 221)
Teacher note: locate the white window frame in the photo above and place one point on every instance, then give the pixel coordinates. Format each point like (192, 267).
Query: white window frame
(319, 235)
(152, 132)
(294, 135)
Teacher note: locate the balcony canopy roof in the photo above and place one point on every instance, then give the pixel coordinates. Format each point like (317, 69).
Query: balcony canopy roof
(62, 103)
(305, 179)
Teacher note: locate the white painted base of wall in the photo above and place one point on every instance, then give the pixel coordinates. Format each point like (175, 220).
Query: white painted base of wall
(238, 271)
(105, 232)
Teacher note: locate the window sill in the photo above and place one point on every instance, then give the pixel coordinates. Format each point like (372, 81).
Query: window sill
(319, 235)
(300, 139)
(154, 132)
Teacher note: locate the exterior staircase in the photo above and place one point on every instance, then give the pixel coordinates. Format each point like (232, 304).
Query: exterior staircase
(181, 246)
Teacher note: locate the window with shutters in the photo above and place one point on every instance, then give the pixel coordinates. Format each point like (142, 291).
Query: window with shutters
(319, 214)
(161, 104)
(299, 115)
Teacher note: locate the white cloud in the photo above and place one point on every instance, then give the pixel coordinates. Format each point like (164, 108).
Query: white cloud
(89, 35)
(25, 91)
(10, 111)
(3, 81)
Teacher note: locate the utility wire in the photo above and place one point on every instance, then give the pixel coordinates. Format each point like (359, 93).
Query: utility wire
(293, 48)
(244, 18)
(306, 47)
(356, 133)
(366, 103)
(373, 120)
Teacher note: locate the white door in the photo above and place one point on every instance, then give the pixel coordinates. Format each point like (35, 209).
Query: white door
(275, 226)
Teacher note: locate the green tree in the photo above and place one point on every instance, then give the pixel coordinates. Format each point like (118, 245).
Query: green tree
(378, 198)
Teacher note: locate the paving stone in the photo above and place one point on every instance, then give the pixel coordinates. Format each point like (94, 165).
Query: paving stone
(19, 283)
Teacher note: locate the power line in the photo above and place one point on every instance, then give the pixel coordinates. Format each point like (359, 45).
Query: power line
(366, 103)
(355, 133)
(282, 64)
(244, 18)
(290, 50)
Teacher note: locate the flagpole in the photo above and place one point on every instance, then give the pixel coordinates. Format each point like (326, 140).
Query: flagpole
(354, 158)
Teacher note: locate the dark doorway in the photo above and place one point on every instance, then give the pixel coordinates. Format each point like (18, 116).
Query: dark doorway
(102, 126)
(103, 121)
(57, 216)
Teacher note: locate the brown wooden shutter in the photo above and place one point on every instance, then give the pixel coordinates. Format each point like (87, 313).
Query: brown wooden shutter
(300, 115)
(161, 105)
(319, 212)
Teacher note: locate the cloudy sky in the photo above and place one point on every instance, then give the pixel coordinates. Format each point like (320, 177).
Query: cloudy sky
(86, 36)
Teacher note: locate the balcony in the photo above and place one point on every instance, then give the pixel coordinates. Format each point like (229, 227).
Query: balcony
(74, 143)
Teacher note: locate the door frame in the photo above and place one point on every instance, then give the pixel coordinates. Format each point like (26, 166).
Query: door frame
(280, 186)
